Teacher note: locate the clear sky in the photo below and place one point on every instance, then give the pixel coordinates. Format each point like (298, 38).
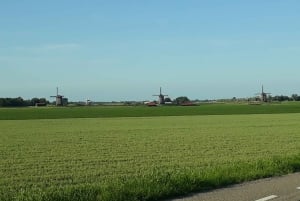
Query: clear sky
(117, 50)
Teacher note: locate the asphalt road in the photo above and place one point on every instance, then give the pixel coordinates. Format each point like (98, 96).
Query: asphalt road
(285, 188)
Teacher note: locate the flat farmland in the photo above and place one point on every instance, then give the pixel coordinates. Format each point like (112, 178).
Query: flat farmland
(142, 158)
(143, 111)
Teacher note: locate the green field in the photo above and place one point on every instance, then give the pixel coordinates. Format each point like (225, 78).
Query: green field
(143, 111)
(142, 158)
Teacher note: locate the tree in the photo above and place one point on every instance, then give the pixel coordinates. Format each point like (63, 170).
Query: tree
(168, 99)
(281, 98)
(12, 102)
(295, 97)
(43, 100)
(34, 101)
(182, 99)
(20, 102)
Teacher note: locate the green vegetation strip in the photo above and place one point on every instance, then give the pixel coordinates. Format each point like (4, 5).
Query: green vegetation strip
(143, 111)
(151, 158)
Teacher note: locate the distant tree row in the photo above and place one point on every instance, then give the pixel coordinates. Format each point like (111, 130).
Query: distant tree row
(181, 100)
(20, 102)
(293, 97)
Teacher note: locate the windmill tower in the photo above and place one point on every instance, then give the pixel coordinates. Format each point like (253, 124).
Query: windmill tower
(59, 98)
(161, 97)
(263, 95)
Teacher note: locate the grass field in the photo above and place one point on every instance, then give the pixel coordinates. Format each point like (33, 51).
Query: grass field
(140, 158)
(143, 111)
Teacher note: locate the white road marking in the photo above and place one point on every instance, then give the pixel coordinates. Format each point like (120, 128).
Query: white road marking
(268, 198)
(298, 188)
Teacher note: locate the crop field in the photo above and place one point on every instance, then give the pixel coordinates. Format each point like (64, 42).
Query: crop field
(143, 111)
(140, 158)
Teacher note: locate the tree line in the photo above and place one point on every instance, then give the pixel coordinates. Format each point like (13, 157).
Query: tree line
(20, 102)
(293, 97)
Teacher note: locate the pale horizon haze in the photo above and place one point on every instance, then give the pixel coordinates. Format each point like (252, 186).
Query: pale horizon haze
(125, 50)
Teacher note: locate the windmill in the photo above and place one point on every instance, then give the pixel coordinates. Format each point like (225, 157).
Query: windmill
(161, 97)
(263, 95)
(59, 98)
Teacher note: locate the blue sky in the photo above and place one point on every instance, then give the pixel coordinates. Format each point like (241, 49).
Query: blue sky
(125, 50)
